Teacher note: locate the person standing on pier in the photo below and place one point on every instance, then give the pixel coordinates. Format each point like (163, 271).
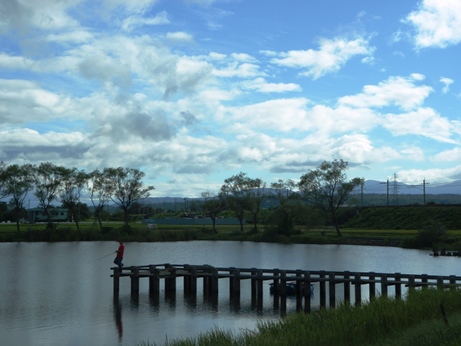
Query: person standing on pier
(119, 258)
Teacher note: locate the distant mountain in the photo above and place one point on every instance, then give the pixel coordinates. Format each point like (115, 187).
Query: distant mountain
(370, 187)
(380, 187)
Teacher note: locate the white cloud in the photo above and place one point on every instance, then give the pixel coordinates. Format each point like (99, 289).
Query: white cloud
(452, 155)
(180, 37)
(440, 175)
(134, 6)
(18, 97)
(261, 85)
(446, 84)
(421, 122)
(437, 23)
(135, 21)
(280, 114)
(398, 91)
(329, 58)
(244, 70)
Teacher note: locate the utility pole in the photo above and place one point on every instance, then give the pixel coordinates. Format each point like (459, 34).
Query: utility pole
(424, 191)
(395, 188)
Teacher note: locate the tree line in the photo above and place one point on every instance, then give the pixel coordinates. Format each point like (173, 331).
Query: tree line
(49, 183)
(325, 187)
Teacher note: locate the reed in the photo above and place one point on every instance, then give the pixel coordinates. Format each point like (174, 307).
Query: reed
(427, 315)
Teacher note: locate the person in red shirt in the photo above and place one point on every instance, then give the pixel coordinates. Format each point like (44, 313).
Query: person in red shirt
(119, 258)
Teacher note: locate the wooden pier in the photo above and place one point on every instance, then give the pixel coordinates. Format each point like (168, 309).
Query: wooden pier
(325, 283)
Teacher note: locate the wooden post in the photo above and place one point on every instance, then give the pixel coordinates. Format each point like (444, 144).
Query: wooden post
(170, 280)
(253, 285)
(276, 289)
(231, 281)
(236, 283)
(440, 282)
(299, 290)
(283, 292)
(307, 292)
(186, 280)
(347, 286)
(154, 280)
(134, 280)
(358, 289)
(372, 285)
(398, 285)
(322, 289)
(384, 285)
(332, 290)
(424, 280)
(452, 282)
(411, 283)
(259, 288)
(116, 271)
(214, 281)
(193, 281)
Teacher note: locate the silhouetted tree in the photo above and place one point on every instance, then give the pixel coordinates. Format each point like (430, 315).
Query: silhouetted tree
(73, 183)
(126, 187)
(47, 179)
(17, 181)
(327, 186)
(212, 206)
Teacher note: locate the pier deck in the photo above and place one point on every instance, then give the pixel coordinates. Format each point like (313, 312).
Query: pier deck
(325, 282)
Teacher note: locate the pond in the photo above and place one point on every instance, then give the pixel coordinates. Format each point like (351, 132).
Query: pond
(62, 293)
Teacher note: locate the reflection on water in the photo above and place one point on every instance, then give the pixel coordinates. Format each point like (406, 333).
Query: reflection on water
(61, 293)
(118, 318)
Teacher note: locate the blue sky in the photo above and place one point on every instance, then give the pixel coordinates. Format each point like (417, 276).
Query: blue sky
(194, 91)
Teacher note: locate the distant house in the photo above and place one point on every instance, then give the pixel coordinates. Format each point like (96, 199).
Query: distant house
(57, 215)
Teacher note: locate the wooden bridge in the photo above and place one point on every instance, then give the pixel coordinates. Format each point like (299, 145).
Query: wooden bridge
(323, 281)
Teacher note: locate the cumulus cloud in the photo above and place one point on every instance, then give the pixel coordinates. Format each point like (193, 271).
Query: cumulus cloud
(31, 14)
(399, 91)
(23, 145)
(422, 122)
(18, 97)
(437, 23)
(329, 58)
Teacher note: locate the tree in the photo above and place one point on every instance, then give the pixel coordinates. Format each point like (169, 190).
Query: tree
(233, 193)
(242, 194)
(327, 187)
(127, 187)
(17, 182)
(73, 182)
(212, 206)
(100, 189)
(2, 181)
(47, 179)
(255, 196)
(282, 217)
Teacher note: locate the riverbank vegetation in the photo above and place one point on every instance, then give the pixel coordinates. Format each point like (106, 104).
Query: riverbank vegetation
(432, 236)
(426, 317)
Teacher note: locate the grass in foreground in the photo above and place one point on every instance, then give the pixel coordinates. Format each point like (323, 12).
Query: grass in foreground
(418, 320)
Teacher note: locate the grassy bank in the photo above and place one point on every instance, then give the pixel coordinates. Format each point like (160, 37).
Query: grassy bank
(139, 232)
(426, 317)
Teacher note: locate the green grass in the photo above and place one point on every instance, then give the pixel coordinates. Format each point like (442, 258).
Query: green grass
(416, 320)
(90, 231)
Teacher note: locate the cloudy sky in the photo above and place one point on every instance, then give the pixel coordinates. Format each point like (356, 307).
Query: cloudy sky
(194, 91)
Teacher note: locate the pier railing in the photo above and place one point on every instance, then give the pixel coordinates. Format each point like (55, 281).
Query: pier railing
(325, 282)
